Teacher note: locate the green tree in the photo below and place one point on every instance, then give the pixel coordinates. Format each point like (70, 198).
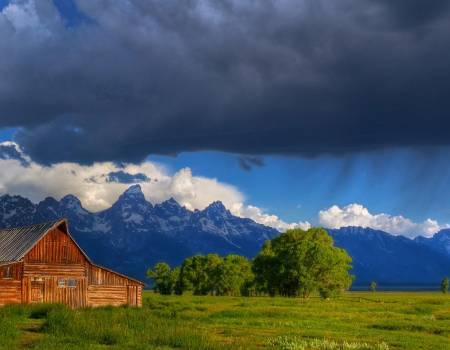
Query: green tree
(212, 274)
(213, 267)
(194, 275)
(373, 286)
(333, 275)
(162, 277)
(445, 285)
(301, 262)
(234, 276)
(177, 280)
(265, 270)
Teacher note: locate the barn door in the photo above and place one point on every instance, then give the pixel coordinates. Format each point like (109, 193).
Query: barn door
(132, 296)
(37, 291)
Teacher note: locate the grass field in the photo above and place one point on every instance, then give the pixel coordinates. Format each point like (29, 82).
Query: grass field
(358, 320)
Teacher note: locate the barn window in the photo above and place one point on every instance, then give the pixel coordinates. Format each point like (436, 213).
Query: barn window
(61, 283)
(7, 272)
(72, 283)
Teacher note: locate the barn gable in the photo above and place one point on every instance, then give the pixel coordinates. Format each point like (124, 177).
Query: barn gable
(56, 247)
(15, 243)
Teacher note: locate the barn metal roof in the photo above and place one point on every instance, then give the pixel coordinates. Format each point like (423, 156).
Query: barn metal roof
(16, 242)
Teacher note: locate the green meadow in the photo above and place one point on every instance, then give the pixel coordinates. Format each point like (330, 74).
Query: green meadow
(356, 320)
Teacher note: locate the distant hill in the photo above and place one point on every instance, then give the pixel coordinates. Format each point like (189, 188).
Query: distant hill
(391, 260)
(440, 242)
(134, 234)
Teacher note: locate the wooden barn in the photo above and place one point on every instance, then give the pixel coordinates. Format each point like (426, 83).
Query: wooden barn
(43, 264)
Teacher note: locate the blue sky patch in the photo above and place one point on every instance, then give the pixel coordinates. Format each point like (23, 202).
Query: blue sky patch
(71, 13)
(3, 4)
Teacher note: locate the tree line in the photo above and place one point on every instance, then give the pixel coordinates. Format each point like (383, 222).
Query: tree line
(296, 263)
(444, 286)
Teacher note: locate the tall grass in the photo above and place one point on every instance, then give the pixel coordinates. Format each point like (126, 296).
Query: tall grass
(296, 343)
(9, 333)
(359, 321)
(121, 327)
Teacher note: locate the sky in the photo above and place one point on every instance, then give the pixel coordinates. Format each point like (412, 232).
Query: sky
(293, 113)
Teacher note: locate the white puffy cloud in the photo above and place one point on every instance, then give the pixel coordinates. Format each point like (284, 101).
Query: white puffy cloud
(258, 215)
(96, 191)
(358, 215)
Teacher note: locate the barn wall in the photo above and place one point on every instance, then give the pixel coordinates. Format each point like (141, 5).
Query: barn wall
(109, 288)
(100, 295)
(139, 296)
(135, 296)
(10, 292)
(10, 287)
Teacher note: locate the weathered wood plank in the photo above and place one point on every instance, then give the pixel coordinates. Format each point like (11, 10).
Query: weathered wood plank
(107, 295)
(10, 292)
(46, 269)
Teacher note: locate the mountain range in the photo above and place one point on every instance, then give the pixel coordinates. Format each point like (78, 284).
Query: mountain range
(134, 234)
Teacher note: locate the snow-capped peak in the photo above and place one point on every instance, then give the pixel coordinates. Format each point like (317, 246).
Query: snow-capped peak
(134, 189)
(133, 192)
(71, 201)
(73, 204)
(216, 207)
(171, 202)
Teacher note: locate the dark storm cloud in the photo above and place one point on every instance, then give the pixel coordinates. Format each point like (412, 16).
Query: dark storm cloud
(411, 13)
(126, 178)
(247, 163)
(260, 77)
(120, 177)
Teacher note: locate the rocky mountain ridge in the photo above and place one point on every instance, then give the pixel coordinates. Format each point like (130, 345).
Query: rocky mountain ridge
(133, 234)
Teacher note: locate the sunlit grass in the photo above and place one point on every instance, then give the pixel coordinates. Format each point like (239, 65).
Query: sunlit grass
(363, 321)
